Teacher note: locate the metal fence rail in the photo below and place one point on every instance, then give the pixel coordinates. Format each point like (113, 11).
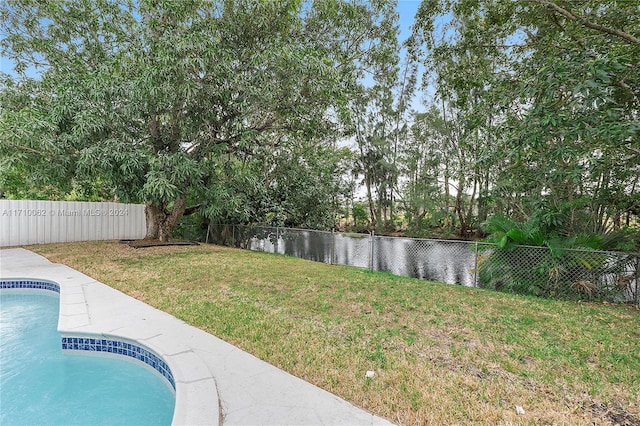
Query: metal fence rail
(571, 274)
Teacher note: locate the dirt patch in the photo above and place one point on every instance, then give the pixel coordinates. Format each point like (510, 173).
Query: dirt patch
(617, 415)
(157, 243)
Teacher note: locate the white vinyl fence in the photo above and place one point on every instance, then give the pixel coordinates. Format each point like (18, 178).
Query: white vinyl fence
(37, 222)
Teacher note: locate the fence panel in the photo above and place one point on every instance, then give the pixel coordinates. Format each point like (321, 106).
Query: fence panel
(306, 244)
(352, 249)
(568, 274)
(25, 222)
(223, 235)
(447, 261)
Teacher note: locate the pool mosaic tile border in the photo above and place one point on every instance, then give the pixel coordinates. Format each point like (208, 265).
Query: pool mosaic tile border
(118, 347)
(32, 284)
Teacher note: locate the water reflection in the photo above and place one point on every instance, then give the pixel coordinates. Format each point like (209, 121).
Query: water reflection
(450, 262)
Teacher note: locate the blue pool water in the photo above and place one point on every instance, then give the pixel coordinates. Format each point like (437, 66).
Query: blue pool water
(40, 385)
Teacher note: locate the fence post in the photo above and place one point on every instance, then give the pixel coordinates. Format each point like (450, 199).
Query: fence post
(233, 235)
(637, 297)
(333, 246)
(475, 268)
(275, 246)
(206, 240)
(371, 250)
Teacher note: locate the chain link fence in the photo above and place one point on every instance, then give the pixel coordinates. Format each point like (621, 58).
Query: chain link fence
(567, 274)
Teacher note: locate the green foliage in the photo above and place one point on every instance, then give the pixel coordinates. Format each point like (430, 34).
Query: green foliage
(168, 175)
(536, 109)
(298, 184)
(191, 228)
(532, 111)
(506, 232)
(154, 99)
(573, 267)
(381, 113)
(360, 215)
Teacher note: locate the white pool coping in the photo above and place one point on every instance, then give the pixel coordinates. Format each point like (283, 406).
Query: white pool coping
(216, 382)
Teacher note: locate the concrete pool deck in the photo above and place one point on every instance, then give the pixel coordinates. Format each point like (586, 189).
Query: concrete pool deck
(216, 382)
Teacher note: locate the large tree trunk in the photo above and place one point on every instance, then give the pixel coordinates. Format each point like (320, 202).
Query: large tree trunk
(161, 222)
(460, 211)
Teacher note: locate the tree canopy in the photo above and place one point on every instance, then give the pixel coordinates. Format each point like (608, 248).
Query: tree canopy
(151, 98)
(544, 99)
(306, 113)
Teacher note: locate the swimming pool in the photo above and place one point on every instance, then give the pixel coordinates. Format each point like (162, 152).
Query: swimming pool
(39, 384)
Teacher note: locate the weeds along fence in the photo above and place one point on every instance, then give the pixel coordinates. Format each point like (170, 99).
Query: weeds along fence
(570, 274)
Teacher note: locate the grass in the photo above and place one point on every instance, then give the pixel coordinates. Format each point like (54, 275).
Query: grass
(441, 354)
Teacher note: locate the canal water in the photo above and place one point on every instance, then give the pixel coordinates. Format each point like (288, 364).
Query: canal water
(451, 262)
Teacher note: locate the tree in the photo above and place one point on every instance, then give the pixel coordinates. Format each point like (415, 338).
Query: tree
(150, 96)
(298, 185)
(426, 168)
(552, 90)
(381, 126)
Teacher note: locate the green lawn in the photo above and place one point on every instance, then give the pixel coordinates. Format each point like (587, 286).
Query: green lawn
(441, 354)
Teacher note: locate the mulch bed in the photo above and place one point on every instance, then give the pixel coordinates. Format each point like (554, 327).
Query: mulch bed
(157, 243)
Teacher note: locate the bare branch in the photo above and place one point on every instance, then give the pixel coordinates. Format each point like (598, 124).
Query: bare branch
(33, 151)
(618, 33)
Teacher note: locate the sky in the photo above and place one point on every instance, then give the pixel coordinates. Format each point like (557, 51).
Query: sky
(407, 10)
(5, 65)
